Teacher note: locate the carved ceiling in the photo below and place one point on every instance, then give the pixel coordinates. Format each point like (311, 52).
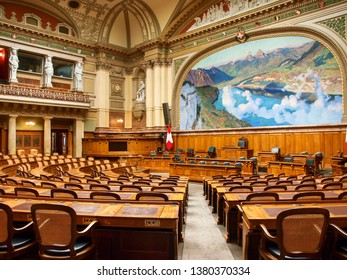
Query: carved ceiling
(129, 23)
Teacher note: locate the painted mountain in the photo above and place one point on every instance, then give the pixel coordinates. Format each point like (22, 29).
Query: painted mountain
(284, 86)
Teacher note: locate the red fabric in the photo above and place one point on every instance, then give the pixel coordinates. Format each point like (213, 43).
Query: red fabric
(169, 140)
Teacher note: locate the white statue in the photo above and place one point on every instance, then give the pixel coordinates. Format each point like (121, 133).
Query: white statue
(48, 72)
(78, 72)
(140, 94)
(13, 65)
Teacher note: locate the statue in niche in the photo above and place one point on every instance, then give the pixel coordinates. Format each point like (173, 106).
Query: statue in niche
(78, 74)
(48, 72)
(140, 94)
(13, 65)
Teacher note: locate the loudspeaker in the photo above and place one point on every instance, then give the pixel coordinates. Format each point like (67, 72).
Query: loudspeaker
(166, 112)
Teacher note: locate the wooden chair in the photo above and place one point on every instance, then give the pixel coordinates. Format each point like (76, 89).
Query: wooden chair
(14, 242)
(332, 186)
(327, 180)
(26, 192)
(163, 189)
(50, 185)
(263, 196)
(151, 196)
(99, 187)
(63, 193)
(300, 234)
(284, 183)
(309, 196)
(339, 243)
(342, 195)
(308, 181)
(276, 188)
(2, 192)
(130, 188)
(73, 186)
(56, 179)
(231, 183)
(57, 234)
(12, 182)
(259, 183)
(241, 189)
(105, 195)
(93, 181)
(306, 187)
(141, 183)
(115, 183)
(75, 180)
(27, 183)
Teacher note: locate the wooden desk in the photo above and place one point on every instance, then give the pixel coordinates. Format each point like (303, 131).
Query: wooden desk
(84, 195)
(232, 199)
(121, 226)
(266, 213)
(197, 172)
(288, 168)
(236, 152)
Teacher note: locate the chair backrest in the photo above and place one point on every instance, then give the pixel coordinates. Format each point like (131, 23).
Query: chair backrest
(50, 185)
(99, 187)
(105, 195)
(284, 183)
(27, 183)
(308, 181)
(26, 192)
(309, 196)
(115, 183)
(263, 196)
(306, 187)
(301, 232)
(151, 196)
(275, 188)
(141, 183)
(73, 186)
(333, 185)
(75, 180)
(163, 189)
(10, 249)
(11, 182)
(241, 189)
(259, 183)
(130, 188)
(55, 227)
(63, 193)
(343, 195)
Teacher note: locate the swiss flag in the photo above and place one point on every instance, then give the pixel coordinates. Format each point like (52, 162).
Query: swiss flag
(169, 141)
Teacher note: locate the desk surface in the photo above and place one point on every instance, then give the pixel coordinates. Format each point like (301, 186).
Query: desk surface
(256, 213)
(108, 214)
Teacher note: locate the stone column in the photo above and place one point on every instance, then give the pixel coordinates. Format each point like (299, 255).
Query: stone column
(102, 91)
(78, 134)
(158, 112)
(47, 136)
(149, 95)
(12, 127)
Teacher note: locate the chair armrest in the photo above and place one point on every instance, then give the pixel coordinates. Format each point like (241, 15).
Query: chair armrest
(267, 234)
(338, 230)
(87, 229)
(28, 226)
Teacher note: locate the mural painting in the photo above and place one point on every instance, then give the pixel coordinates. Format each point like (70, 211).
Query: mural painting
(270, 82)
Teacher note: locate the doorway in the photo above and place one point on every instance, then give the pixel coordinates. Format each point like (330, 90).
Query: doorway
(60, 141)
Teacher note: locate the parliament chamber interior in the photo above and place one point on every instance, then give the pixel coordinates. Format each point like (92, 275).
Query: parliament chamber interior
(173, 130)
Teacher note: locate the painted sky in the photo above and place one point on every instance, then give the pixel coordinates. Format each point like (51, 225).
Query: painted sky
(242, 50)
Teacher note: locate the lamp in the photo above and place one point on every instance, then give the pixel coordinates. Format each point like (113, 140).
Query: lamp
(30, 123)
